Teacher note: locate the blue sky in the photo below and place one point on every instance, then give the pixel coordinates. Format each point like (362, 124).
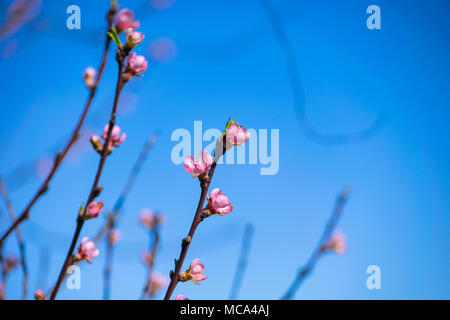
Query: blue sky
(228, 62)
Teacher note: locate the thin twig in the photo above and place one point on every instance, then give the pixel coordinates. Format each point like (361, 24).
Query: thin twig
(61, 155)
(94, 190)
(243, 261)
(20, 241)
(318, 252)
(154, 243)
(298, 95)
(112, 217)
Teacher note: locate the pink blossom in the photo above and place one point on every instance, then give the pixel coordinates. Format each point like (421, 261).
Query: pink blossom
(125, 20)
(86, 250)
(195, 272)
(236, 134)
(157, 281)
(147, 257)
(133, 37)
(337, 243)
(114, 236)
(199, 166)
(219, 203)
(136, 64)
(89, 77)
(181, 296)
(93, 209)
(147, 218)
(116, 137)
(96, 143)
(39, 295)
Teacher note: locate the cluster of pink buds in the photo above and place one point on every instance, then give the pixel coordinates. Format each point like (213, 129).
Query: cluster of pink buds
(194, 273)
(198, 166)
(125, 20)
(157, 282)
(93, 210)
(116, 139)
(218, 203)
(89, 77)
(150, 220)
(337, 244)
(114, 236)
(181, 296)
(86, 250)
(39, 295)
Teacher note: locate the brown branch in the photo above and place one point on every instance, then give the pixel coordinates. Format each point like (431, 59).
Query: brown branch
(298, 94)
(318, 252)
(62, 154)
(154, 234)
(243, 261)
(20, 241)
(205, 182)
(95, 190)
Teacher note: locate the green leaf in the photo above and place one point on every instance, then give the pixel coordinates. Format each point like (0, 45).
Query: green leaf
(114, 36)
(176, 263)
(229, 122)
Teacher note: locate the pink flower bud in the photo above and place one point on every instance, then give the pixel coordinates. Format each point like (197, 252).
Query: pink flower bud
(133, 38)
(39, 295)
(125, 20)
(93, 209)
(114, 236)
(136, 64)
(194, 272)
(86, 250)
(199, 166)
(236, 134)
(337, 243)
(89, 77)
(147, 218)
(116, 137)
(219, 203)
(147, 257)
(96, 144)
(181, 296)
(157, 281)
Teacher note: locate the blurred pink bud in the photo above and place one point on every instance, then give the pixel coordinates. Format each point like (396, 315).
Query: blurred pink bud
(147, 257)
(194, 272)
(96, 143)
(219, 203)
(39, 295)
(114, 236)
(89, 77)
(157, 281)
(133, 38)
(199, 166)
(147, 218)
(338, 244)
(236, 134)
(116, 138)
(125, 20)
(181, 296)
(93, 209)
(86, 250)
(136, 64)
